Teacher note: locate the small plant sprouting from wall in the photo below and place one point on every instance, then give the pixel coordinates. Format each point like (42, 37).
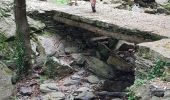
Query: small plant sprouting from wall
(137, 83)
(157, 70)
(131, 95)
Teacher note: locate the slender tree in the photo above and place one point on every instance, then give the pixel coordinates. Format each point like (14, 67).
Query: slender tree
(23, 38)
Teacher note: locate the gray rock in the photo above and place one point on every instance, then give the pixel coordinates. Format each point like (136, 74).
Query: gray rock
(50, 44)
(124, 46)
(6, 88)
(93, 79)
(167, 93)
(150, 11)
(111, 1)
(103, 52)
(156, 91)
(40, 60)
(70, 50)
(69, 82)
(167, 72)
(26, 91)
(161, 2)
(7, 26)
(52, 86)
(70, 97)
(155, 98)
(84, 93)
(99, 67)
(119, 63)
(45, 88)
(116, 1)
(36, 25)
(75, 77)
(81, 89)
(54, 96)
(79, 59)
(117, 99)
(165, 98)
(81, 72)
(85, 96)
(58, 95)
(153, 50)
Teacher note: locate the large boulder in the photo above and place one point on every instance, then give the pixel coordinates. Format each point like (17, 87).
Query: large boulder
(119, 63)
(99, 68)
(51, 43)
(6, 88)
(158, 49)
(7, 26)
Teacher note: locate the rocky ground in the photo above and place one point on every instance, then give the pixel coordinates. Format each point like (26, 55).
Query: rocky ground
(77, 68)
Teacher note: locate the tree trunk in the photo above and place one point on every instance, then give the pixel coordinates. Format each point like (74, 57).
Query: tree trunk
(23, 34)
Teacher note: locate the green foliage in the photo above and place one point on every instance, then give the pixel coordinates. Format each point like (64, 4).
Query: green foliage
(51, 68)
(167, 6)
(137, 83)
(157, 70)
(6, 48)
(2, 12)
(131, 95)
(20, 57)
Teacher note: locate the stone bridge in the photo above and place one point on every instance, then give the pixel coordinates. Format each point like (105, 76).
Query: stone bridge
(120, 24)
